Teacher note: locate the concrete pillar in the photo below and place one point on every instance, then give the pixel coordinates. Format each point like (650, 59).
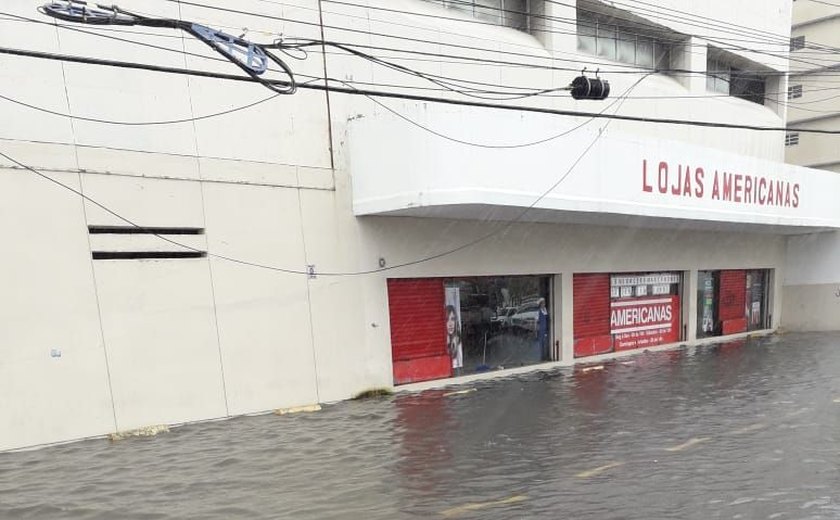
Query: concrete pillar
(557, 34)
(691, 56)
(689, 305)
(564, 327)
(774, 299)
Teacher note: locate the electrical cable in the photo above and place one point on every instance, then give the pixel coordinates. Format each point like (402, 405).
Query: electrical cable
(417, 40)
(765, 36)
(307, 272)
(251, 58)
(789, 104)
(619, 99)
(447, 83)
(136, 225)
(635, 71)
(412, 97)
(570, 21)
(139, 123)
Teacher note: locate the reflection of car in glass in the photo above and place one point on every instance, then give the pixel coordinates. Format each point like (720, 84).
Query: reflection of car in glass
(525, 318)
(501, 320)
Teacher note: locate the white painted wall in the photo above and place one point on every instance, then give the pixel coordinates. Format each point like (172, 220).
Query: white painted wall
(813, 259)
(590, 170)
(170, 341)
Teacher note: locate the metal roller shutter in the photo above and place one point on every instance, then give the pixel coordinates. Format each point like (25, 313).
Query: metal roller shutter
(732, 301)
(418, 333)
(591, 295)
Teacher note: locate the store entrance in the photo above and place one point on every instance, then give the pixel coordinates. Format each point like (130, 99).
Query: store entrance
(498, 322)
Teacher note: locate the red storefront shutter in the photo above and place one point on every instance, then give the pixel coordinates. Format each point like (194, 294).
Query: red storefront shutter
(732, 301)
(418, 330)
(591, 295)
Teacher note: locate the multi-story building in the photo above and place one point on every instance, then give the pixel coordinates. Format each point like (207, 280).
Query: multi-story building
(813, 281)
(219, 250)
(811, 99)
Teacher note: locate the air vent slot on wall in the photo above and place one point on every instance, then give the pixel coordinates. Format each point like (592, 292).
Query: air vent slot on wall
(146, 243)
(139, 255)
(137, 230)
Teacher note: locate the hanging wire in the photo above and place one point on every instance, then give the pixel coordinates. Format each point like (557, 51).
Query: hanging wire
(252, 58)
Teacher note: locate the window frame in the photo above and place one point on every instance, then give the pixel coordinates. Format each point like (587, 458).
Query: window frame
(589, 28)
(505, 12)
(724, 77)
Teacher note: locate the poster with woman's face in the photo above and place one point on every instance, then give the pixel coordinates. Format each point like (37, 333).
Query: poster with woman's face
(453, 326)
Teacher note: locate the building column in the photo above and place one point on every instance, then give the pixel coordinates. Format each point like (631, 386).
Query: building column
(692, 56)
(689, 305)
(774, 299)
(564, 327)
(555, 33)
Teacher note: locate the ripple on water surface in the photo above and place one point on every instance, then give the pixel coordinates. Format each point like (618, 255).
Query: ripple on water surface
(740, 430)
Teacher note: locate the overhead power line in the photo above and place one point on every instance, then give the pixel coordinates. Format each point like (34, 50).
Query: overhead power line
(308, 272)
(268, 16)
(139, 123)
(251, 58)
(434, 57)
(394, 95)
(725, 45)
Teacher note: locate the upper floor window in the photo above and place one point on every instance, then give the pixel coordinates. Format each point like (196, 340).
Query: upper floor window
(791, 138)
(615, 39)
(794, 92)
(510, 13)
(724, 78)
(797, 43)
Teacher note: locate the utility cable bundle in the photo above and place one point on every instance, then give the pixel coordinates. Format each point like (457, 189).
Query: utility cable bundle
(253, 58)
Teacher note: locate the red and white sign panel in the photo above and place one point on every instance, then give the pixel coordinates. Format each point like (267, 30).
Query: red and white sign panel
(645, 322)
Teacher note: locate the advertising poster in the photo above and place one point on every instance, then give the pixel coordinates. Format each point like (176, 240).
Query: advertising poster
(707, 325)
(454, 346)
(645, 322)
(755, 292)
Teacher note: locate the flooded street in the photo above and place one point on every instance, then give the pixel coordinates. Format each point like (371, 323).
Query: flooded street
(739, 430)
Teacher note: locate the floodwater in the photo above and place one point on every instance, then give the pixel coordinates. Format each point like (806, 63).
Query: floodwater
(740, 430)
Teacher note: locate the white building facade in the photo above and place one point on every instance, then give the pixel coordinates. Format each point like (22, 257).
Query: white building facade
(812, 284)
(312, 243)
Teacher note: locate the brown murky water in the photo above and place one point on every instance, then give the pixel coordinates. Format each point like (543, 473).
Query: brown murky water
(741, 430)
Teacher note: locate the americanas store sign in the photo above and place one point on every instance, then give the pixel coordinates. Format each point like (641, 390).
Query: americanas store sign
(680, 180)
(645, 322)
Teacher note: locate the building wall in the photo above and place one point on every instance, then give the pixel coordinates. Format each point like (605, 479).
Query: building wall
(91, 347)
(812, 284)
(813, 69)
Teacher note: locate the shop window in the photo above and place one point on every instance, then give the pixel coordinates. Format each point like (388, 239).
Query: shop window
(732, 301)
(615, 312)
(498, 322)
(707, 319)
(757, 299)
(645, 309)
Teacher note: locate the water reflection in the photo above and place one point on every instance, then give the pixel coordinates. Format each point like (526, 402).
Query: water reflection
(742, 430)
(423, 427)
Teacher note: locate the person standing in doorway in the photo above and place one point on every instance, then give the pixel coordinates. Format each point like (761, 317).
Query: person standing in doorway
(542, 330)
